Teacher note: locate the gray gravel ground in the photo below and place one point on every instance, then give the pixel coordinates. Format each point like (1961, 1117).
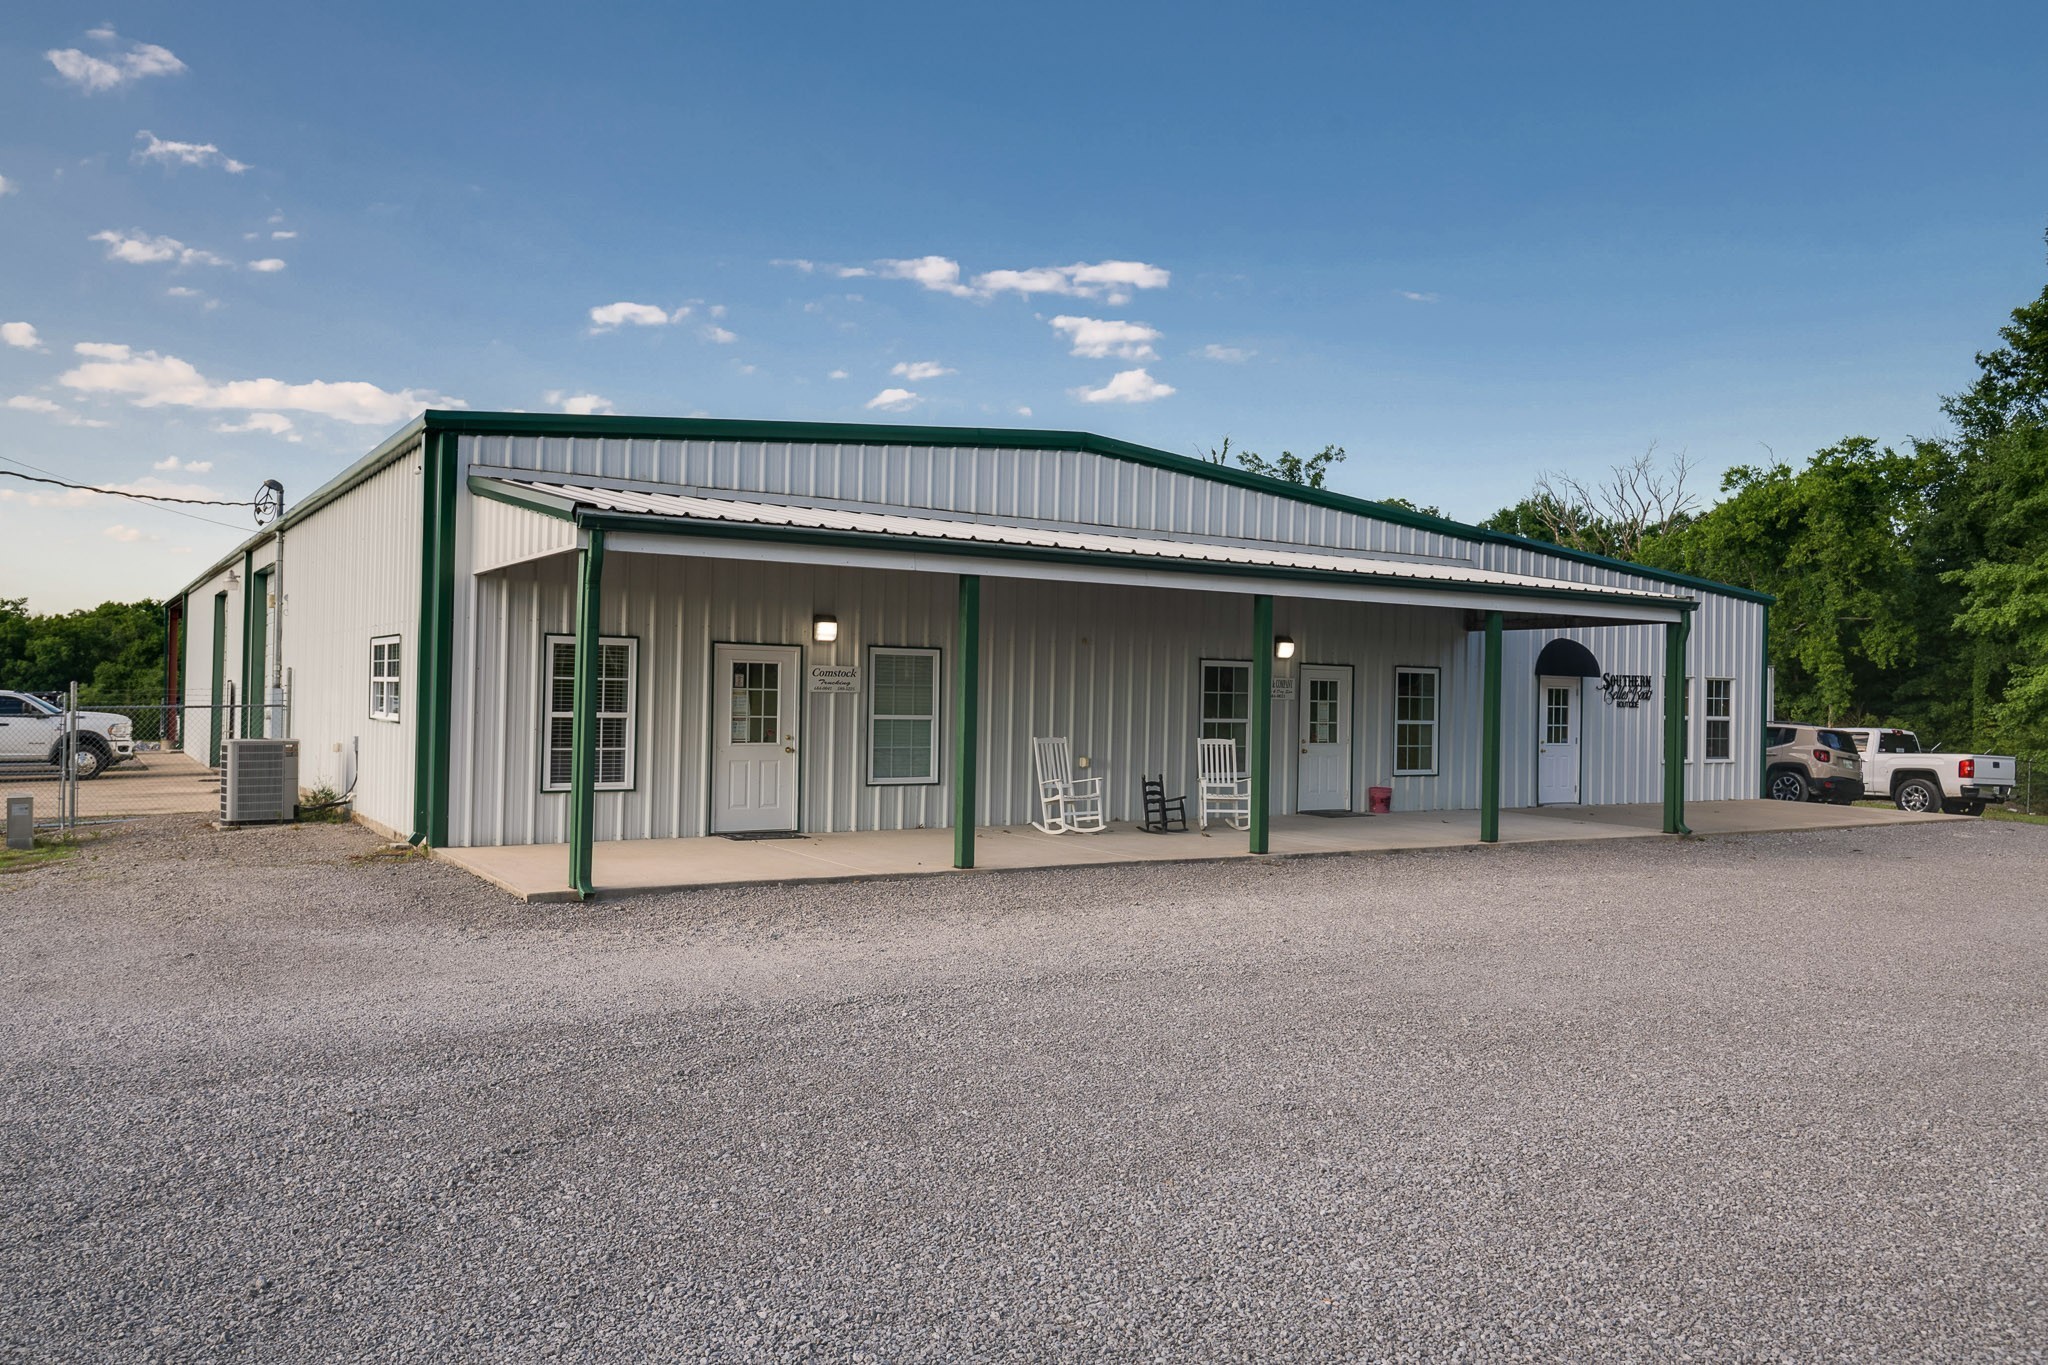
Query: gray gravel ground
(1767, 1098)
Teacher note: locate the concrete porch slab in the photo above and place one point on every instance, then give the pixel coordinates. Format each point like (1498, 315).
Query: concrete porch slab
(538, 872)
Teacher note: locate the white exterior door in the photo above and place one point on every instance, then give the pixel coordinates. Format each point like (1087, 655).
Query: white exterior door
(754, 738)
(1557, 741)
(1325, 759)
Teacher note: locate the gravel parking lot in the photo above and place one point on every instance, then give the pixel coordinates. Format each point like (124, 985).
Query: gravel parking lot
(1781, 1097)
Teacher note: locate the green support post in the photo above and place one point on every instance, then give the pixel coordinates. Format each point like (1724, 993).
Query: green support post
(967, 718)
(240, 728)
(1489, 737)
(1675, 634)
(583, 728)
(1259, 761)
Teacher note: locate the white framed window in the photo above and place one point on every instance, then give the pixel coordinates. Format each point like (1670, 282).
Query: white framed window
(903, 717)
(386, 668)
(1416, 709)
(1718, 741)
(618, 658)
(1227, 704)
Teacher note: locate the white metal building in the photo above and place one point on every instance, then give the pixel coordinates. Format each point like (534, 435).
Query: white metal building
(826, 627)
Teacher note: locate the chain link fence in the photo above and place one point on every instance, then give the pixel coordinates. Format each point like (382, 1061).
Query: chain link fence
(87, 763)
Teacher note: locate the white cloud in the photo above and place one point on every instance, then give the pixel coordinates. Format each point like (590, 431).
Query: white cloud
(154, 148)
(28, 402)
(1023, 411)
(137, 247)
(283, 236)
(150, 380)
(1113, 279)
(718, 335)
(1099, 338)
(836, 374)
(22, 336)
(608, 317)
(171, 464)
(7, 186)
(1414, 297)
(893, 400)
(268, 266)
(1229, 355)
(127, 535)
(1127, 386)
(914, 370)
(95, 74)
(716, 310)
(797, 263)
(268, 423)
(578, 404)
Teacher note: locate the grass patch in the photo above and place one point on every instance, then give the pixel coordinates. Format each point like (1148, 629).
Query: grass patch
(2018, 817)
(322, 805)
(45, 851)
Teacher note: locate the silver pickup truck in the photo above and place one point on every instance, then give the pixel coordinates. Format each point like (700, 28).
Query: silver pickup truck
(32, 731)
(1894, 765)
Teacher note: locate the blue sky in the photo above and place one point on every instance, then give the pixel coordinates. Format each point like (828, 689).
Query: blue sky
(1468, 243)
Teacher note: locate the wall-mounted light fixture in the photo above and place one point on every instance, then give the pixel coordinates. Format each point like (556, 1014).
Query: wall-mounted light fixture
(824, 629)
(1283, 647)
(234, 579)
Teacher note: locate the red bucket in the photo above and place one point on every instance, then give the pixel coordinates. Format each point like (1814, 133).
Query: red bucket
(1382, 799)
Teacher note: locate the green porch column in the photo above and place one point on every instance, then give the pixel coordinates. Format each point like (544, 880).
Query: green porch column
(1489, 737)
(583, 728)
(1675, 634)
(1258, 759)
(967, 717)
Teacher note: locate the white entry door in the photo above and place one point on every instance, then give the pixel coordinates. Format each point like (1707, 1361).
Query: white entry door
(1324, 782)
(1557, 741)
(754, 738)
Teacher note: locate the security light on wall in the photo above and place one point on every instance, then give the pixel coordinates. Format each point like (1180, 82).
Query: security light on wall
(824, 629)
(1283, 647)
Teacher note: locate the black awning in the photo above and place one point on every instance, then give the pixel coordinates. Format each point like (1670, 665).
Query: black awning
(1567, 659)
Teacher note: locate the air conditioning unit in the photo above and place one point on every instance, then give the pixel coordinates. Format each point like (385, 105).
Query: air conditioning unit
(259, 782)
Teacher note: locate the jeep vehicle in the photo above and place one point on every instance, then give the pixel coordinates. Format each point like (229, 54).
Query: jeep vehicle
(1811, 763)
(32, 731)
(1895, 765)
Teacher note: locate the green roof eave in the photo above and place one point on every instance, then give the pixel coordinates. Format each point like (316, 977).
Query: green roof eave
(873, 433)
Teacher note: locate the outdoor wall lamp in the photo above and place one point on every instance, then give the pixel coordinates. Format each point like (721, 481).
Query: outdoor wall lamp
(824, 629)
(1283, 647)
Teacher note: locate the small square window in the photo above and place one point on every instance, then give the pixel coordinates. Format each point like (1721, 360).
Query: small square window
(385, 672)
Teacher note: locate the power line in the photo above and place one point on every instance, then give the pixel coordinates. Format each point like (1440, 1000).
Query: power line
(189, 516)
(124, 493)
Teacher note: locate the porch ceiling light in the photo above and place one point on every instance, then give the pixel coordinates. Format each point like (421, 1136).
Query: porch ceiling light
(1283, 647)
(824, 629)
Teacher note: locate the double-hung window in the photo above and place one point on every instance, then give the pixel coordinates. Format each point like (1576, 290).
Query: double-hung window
(1227, 704)
(1416, 709)
(1720, 720)
(384, 676)
(617, 660)
(903, 717)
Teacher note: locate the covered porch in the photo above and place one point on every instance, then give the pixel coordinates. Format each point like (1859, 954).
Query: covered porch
(533, 872)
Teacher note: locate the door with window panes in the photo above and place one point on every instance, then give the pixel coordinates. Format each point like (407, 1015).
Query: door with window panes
(754, 738)
(1324, 781)
(1557, 741)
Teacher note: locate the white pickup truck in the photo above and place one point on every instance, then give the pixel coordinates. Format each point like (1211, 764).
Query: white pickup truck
(1894, 765)
(32, 731)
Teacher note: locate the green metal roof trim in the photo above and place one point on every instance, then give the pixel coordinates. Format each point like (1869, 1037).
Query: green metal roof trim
(872, 433)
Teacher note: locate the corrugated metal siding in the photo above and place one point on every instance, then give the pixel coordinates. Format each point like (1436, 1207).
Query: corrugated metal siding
(352, 571)
(199, 650)
(1078, 487)
(499, 534)
(1117, 670)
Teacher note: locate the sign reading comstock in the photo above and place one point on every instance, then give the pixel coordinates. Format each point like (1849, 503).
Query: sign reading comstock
(835, 678)
(1626, 689)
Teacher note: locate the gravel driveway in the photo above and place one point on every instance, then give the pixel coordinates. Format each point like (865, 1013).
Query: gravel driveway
(1778, 1097)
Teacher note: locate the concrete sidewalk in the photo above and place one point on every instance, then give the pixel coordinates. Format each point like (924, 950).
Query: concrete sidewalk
(538, 872)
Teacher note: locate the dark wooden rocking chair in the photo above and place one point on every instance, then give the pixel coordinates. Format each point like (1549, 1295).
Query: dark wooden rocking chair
(1163, 814)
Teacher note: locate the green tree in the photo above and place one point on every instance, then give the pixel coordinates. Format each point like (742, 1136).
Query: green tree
(1308, 470)
(114, 652)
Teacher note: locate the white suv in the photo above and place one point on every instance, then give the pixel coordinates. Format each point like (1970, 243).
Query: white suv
(32, 731)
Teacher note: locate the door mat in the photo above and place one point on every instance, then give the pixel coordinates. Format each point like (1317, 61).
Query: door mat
(751, 835)
(1338, 814)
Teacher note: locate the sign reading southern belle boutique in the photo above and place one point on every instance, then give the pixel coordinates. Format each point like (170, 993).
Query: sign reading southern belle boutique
(1626, 689)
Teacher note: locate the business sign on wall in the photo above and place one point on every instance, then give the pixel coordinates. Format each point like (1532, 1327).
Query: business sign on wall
(835, 678)
(1625, 689)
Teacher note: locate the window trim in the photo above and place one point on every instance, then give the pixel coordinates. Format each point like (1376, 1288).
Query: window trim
(1201, 665)
(396, 679)
(1707, 719)
(1436, 753)
(938, 719)
(548, 713)
(1685, 719)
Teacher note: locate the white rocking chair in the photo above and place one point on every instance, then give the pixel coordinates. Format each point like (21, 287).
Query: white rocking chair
(1226, 793)
(1067, 804)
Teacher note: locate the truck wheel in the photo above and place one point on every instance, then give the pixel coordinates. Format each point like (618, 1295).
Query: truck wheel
(1918, 795)
(1788, 784)
(88, 760)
